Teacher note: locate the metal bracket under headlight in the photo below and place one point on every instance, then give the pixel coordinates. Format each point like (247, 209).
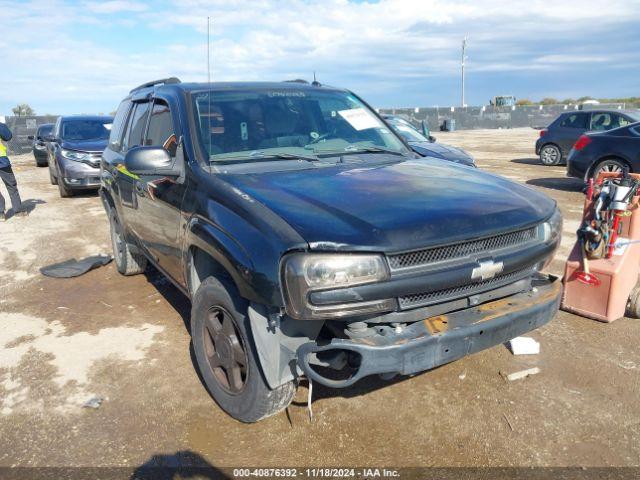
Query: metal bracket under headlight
(303, 273)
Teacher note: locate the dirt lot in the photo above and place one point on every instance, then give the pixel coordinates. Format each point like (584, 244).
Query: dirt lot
(126, 339)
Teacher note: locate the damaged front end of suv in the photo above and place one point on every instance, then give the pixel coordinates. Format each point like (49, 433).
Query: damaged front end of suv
(312, 242)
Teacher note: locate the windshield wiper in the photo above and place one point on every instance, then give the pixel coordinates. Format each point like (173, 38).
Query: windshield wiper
(372, 149)
(292, 156)
(259, 155)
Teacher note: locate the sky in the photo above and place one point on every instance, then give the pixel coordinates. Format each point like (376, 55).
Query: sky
(65, 57)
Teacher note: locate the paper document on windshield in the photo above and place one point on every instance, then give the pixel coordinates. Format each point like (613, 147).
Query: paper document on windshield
(359, 118)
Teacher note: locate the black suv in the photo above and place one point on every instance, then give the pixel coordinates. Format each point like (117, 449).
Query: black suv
(312, 242)
(555, 141)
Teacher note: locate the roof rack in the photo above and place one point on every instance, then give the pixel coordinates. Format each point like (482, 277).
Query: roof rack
(162, 81)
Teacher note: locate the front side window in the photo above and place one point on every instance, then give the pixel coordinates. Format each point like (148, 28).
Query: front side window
(602, 121)
(249, 125)
(74, 130)
(160, 132)
(575, 120)
(135, 127)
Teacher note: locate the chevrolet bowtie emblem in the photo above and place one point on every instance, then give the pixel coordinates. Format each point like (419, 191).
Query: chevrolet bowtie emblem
(486, 270)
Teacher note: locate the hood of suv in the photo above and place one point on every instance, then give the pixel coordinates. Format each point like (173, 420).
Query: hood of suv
(395, 206)
(90, 146)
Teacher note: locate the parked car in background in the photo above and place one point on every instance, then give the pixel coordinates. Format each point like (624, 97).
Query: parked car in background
(313, 242)
(556, 140)
(610, 151)
(426, 145)
(39, 144)
(74, 151)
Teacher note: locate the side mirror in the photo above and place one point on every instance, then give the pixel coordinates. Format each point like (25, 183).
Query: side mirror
(425, 129)
(30, 137)
(432, 139)
(152, 161)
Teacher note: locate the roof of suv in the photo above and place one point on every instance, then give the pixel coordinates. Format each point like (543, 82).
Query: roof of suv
(86, 117)
(221, 86)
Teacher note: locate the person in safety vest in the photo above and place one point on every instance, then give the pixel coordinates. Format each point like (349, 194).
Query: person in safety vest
(7, 176)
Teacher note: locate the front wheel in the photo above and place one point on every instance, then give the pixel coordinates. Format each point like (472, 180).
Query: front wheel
(65, 192)
(550, 155)
(52, 177)
(227, 357)
(608, 166)
(127, 262)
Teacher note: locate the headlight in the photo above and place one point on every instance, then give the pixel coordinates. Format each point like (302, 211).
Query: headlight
(552, 228)
(304, 273)
(73, 155)
(551, 232)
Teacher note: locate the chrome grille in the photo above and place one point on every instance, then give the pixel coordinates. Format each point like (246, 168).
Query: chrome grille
(461, 250)
(421, 299)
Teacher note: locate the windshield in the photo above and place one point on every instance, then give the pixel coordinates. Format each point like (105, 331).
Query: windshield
(284, 123)
(44, 130)
(409, 133)
(86, 129)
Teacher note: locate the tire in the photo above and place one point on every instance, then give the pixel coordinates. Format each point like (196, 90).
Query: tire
(64, 191)
(41, 163)
(222, 343)
(550, 155)
(633, 304)
(127, 262)
(52, 177)
(610, 165)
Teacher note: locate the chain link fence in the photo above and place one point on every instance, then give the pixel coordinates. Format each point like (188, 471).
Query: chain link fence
(22, 128)
(467, 118)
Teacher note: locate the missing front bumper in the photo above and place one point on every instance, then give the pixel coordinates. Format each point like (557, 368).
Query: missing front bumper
(444, 338)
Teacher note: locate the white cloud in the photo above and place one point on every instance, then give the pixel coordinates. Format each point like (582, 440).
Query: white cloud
(115, 6)
(384, 49)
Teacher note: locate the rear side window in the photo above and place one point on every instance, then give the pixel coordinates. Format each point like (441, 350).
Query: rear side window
(135, 128)
(161, 132)
(575, 120)
(115, 138)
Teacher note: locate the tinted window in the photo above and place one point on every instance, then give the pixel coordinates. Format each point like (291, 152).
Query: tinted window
(118, 126)
(160, 132)
(575, 120)
(137, 122)
(44, 131)
(85, 129)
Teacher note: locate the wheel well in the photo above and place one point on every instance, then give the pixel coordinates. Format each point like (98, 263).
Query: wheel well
(203, 265)
(551, 143)
(604, 159)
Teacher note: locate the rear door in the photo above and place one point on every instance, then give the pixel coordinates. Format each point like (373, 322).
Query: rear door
(569, 130)
(160, 198)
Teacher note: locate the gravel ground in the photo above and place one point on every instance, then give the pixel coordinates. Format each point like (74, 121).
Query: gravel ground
(125, 340)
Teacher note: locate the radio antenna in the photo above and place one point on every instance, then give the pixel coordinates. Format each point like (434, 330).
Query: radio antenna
(209, 83)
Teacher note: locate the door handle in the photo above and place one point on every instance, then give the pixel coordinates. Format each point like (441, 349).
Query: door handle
(139, 188)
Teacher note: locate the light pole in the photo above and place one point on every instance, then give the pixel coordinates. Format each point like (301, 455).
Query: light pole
(464, 56)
